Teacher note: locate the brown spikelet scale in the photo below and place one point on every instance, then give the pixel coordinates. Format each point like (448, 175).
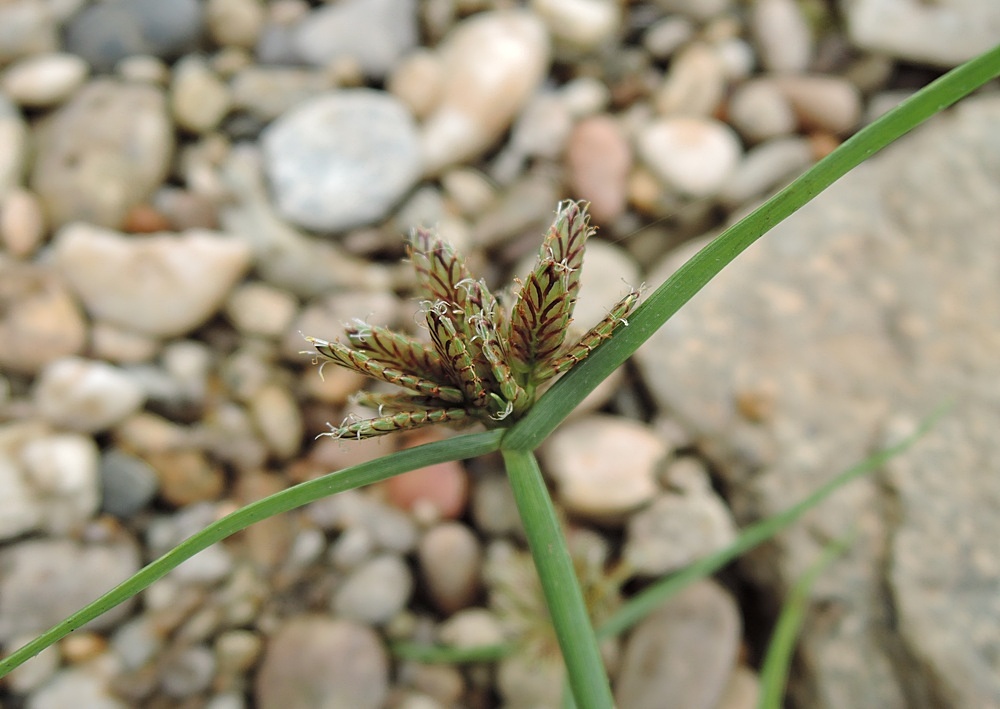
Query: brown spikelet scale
(485, 362)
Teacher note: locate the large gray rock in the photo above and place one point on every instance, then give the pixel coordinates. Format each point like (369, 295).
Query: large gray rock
(852, 320)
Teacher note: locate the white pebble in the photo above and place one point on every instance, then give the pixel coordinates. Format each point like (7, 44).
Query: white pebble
(759, 111)
(85, 395)
(261, 309)
(580, 26)
(784, 40)
(375, 591)
(695, 84)
(692, 156)
(45, 80)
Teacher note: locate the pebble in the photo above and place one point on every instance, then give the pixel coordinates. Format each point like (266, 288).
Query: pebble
(742, 690)
(40, 322)
(782, 35)
(493, 507)
(85, 395)
(186, 476)
(27, 27)
(45, 580)
(436, 492)
(579, 26)
(103, 152)
(524, 680)
(199, 100)
(604, 466)
(375, 591)
(43, 80)
(599, 159)
(22, 222)
(417, 81)
(187, 672)
(62, 471)
(468, 190)
(106, 33)
(697, 628)
(694, 85)
(825, 102)
(89, 685)
(695, 9)
(493, 62)
(765, 167)
(278, 418)
(341, 160)
(13, 143)
(943, 36)
(759, 111)
(666, 36)
(313, 660)
(128, 483)
(373, 33)
(450, 564)
(235, 23)
(260, 309)
(471, 628)
(237, 650)
(266, 92)
(676, 530)
(177, 281)
(692, 156)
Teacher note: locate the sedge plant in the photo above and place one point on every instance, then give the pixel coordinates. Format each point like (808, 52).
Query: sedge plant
(491, 364)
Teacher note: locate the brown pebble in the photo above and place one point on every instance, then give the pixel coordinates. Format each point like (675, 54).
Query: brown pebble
(599, 160)
(145, 219)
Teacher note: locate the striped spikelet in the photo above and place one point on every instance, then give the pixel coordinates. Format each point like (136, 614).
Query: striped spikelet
(484, 363)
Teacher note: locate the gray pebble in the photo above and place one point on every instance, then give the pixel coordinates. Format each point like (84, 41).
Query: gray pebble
(103, 152)
(188, 672)
(375, 591)
(105, 33)
(27, 27)
(128, 484)
(373, 33)
(765, 167)
(45, 580)
(313, 661)
(784, 39)
(759, 111)
(341, 160)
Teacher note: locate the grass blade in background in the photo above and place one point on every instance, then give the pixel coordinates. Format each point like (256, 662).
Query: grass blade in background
(774, 673)
(459, 448)
(677, 290)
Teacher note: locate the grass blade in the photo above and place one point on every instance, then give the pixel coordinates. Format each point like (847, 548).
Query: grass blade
(458, 448)
(584, 666)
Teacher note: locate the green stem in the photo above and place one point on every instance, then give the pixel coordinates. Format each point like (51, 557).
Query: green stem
(468, 446)
(575, 634)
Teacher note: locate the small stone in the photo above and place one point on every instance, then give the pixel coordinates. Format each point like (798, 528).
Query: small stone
(85, 395)
(278, 418)
(604, 466)
(62, 472)
(599, 159)
(469, 190)
(375, 591)
(44, 80)
(144, 219)
(45, 580)
(89, 685)
(765, 167)
(784, 40)
(695, 83)
(40, 322)
(235, 23)
(22, 223)
(697, 628)
(436, 492)
(188, 672)
(742, 690)
(178, 282)
(199, 100)
(105, 33)
(13, 143)
(417, 81)
(27, 27)
(493, 62)
(695, 9)
(102, 152)
(341, 160)
(825, 102)
(237, 650)
(471, 627)
(759, 111)
(666, 36)
(692, 156)
(493, 507)
(580, 26)
(315, 661)
(186, 476)
(450, 565)
(128, 484)
(121, 346)
(676, 530)
(267, 92)
(259, 309)
(373, 33)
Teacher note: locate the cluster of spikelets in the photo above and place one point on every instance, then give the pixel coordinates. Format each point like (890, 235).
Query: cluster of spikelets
(484, 362)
